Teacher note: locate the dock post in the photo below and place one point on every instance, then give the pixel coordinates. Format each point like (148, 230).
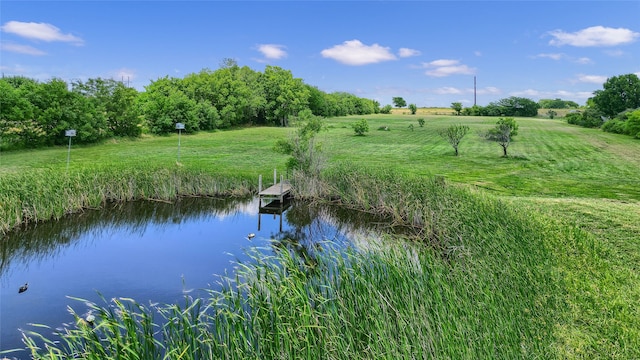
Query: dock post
(259, 196)
(281, 196)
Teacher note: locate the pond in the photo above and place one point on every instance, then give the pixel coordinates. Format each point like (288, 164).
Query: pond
(151, 252)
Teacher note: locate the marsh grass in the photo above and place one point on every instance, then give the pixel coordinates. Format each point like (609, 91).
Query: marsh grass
(44, 194)
(476, 280)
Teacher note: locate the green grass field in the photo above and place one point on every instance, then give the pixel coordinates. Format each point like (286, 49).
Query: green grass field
(551, 234)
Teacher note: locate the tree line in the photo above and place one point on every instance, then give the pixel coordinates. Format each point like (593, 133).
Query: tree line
(614, 108)
(36, 114)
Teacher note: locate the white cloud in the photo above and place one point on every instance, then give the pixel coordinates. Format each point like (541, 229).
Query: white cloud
(354, 52)
(447, 67)
(561, 56)
(406, 52)
(592, 79)
(563, 94)
(272, 51)
(39, 31)
(489, 90)
(123, 74)
(614, 53)
(554, 56)
(593, 36)
(21, 49)
(448, 90)
(583, 60)
(477, 53)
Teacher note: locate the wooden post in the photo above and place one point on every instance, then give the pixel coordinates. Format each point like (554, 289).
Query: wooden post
(259, 197)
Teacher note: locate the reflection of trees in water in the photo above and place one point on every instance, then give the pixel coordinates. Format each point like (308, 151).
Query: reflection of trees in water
(311, 226)
(42, 240)
(316, 226)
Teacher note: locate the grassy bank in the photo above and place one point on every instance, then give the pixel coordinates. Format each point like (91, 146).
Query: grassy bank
(487, 288)
(530, 256)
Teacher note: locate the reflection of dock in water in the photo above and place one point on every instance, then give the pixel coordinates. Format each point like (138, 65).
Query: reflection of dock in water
(277, 197)
(275, 208)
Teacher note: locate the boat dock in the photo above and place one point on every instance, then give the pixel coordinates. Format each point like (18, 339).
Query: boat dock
(279, 190)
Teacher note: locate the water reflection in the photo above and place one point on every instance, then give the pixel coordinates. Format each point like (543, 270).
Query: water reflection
(152, 252)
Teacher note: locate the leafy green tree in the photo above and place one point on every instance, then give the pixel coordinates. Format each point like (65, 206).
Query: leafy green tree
(457, 107)
(516, 106)
(619, 93)
(386, 109)
(552, 114)
(399, 102)
(454, 134)
(164, 105)
(116, 101)
(557, 103)
(502, 133)
(413, 108)
(361, 127)
(632, 126)
(306, 155)
(421, 122)
(284, 95)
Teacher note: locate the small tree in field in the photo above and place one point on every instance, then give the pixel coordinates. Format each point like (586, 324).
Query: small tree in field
(457, 107)
(421, 122)
(399, 102)
(413, 108)
(505, 129)
(361, 127)
(454, 134)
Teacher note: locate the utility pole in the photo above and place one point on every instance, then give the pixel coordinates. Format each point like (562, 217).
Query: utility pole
(474, 91)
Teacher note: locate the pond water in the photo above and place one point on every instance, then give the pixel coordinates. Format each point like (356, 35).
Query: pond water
(149, 251)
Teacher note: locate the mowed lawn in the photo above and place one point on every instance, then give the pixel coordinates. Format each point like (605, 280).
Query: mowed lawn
(548, 158)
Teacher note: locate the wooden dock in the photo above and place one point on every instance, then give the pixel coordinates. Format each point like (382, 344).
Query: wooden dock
(279, 190)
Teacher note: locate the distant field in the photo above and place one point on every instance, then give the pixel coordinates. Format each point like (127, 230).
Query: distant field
(423, 111)
(449, 111)
(548, 157)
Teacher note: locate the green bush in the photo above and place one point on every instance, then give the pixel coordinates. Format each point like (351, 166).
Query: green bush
(361, 127)
(615, 126)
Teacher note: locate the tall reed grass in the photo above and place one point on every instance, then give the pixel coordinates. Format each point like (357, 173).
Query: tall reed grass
(478, 281)
(43, 194)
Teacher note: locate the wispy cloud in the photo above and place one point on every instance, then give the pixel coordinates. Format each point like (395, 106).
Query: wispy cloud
(541, 94)
(447, 67)
(593, 36)
(592, 79)
(406, 52)
(561, 56)
(21, 49)
(124, 74)
(554, 56)
(272, 51)
(354, 52)
(39, 31)
(490, 90)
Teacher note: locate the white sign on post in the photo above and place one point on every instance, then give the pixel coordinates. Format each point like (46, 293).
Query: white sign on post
(70, 134)
(179, 126)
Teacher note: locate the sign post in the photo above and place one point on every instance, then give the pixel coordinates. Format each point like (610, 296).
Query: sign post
(70, 133)
(179, 127)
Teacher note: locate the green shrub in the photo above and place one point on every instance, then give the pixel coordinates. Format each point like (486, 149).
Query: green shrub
(361, 127)
(614, 126)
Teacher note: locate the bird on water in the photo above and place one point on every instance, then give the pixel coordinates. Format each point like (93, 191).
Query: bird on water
(23, 288)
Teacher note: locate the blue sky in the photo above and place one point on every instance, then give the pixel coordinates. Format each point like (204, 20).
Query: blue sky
(427, 52)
